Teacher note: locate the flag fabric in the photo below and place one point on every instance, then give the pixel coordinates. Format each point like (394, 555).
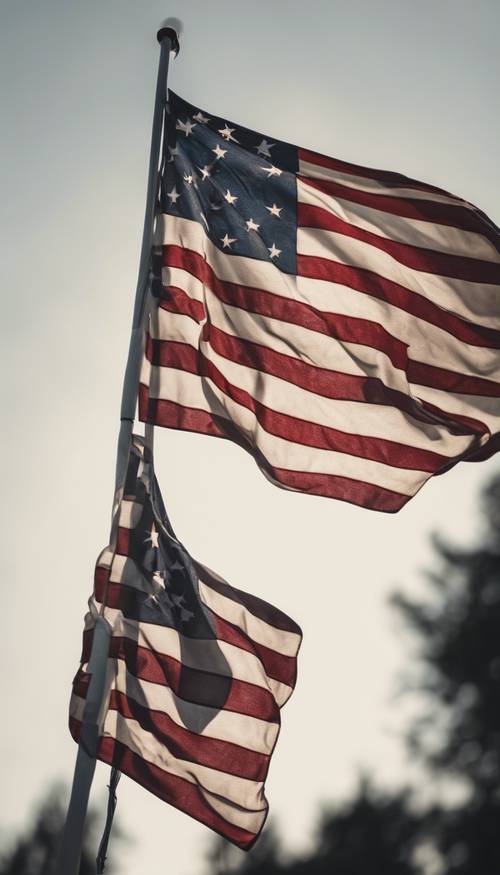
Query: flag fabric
(342, 324)
(197, 670)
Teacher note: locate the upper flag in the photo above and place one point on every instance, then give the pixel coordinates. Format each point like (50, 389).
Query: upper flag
(197, 670)
(340, 323)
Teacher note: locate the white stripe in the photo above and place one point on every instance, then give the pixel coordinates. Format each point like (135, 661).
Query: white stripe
(427, 343)
(130, 513)
(240, 793)
(251, 272)
(351, 417)
(414, 232)
(190, 391)
(384, 421)
(304, 344)
(251, 820)
(256, 629)
(241, 729)
(247, 794)
(231, 726)
(201, 654)
(481, 407)
(365, 183)
(457, 295)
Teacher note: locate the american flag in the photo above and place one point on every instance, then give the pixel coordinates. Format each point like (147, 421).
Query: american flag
(197, 670)
(342, 324)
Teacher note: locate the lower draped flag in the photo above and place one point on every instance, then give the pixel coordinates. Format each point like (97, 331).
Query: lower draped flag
(197, 670)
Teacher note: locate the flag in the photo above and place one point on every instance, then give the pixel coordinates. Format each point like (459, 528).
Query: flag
(341, 324)
(197, 671)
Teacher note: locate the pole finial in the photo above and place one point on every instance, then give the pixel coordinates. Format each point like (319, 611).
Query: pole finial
(170, 28)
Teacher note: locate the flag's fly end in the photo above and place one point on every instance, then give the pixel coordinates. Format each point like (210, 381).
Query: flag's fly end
(170, 28)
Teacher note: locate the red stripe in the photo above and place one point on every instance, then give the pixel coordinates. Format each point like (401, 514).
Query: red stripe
(171, 415)
(384, 176)
(343, 488)
(233, 759)
(276, 666)
(321, 381)
(164, 669)
(100, 580)
(256, 606)
(415, 257)
(176, 791)
(455, 215)
(123, 542)
(449, 381)
(185, 745)
(301, 431)
(177, 301)
(346, 328)
(366, 281)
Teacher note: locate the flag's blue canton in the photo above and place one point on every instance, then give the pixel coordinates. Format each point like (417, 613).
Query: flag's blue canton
(239, 184)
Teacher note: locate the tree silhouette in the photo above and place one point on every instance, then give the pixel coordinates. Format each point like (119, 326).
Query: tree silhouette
(458, 735)
(375, 832)
(35, 852)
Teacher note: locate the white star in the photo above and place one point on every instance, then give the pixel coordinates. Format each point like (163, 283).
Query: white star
(158, 580)
(227, 133)
(230, 198)
(273, 251)
(173, 195)
(153, 537)
(173, 152)
(252, 226)
(186, 615)
(186, 127)
(263, 148)
(205, 171)
(272, 170)
(163, 601)
(275, 211)
(201, 118)
(188, 178)
(219, 152)
(226, 241)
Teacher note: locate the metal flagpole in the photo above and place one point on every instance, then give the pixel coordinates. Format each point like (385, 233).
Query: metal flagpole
(167, 37)
(68, 862)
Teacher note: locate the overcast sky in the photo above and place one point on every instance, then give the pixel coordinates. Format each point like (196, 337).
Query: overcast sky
(398, 84)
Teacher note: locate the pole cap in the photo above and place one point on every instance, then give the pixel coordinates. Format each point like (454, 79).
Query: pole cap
(170, 29)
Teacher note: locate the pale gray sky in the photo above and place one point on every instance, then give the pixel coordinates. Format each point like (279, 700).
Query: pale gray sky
(407, 86)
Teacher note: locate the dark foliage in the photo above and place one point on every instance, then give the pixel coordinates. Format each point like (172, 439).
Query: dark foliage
(35, 852)
(375, 827)
(458, 631)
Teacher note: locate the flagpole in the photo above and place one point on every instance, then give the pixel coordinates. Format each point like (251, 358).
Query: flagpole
(68, 862)
(167, 37)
